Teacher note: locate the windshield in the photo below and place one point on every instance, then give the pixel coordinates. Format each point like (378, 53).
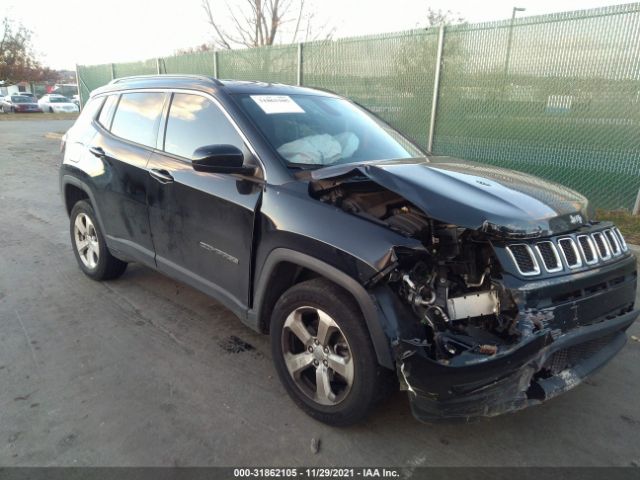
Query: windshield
(59, 100)
(316, 131)
(21, 99)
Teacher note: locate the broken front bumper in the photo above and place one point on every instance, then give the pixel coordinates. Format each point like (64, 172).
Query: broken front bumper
(581, 333)
(514, 379)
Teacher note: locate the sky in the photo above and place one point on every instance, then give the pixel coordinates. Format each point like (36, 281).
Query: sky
(90, 32)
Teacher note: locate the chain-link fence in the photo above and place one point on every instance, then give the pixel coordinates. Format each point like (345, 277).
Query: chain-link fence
(554, 95)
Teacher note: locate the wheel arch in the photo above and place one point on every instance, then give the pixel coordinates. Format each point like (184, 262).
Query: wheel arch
(74, 190)
(284, 268)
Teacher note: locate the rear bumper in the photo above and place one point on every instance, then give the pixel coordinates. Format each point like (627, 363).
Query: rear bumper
(527, 375)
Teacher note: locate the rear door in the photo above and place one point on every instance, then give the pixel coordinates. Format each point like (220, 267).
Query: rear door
(202, 223)
(127, 134)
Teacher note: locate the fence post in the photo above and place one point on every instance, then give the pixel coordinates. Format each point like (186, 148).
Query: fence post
(158, 66)
(636, 207)
(299, 73)
(113, 71)
(79, 87)
(215, 63)
(436, 88)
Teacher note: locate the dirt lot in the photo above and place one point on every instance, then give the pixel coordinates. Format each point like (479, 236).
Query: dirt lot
(13, 117)
(146, 371)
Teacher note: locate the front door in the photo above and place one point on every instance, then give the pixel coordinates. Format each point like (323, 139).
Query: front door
(202, 223)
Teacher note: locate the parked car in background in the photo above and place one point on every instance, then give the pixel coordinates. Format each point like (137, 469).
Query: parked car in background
(19, 103)
(371, 263)
(32, 96)
(57, 104)
(68, 90)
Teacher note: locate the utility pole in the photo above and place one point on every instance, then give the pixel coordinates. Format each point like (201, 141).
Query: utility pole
(510, 39)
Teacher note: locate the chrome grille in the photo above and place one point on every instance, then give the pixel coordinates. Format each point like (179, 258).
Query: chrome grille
(523, 257)
(588, 249)
(602, 245)
(570, 252)
(549, 255)
(623, 243)
(613, 242)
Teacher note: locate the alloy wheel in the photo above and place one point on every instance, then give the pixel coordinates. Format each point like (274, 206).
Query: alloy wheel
(317, 355)
(86, 239)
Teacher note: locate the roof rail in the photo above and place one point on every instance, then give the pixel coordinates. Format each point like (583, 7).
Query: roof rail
(167, 75)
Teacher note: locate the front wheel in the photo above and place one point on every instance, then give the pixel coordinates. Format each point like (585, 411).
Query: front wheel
(89, 245)
(323, 354)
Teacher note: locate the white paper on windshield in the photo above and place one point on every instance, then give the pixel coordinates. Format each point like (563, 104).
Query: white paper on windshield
(277, 104)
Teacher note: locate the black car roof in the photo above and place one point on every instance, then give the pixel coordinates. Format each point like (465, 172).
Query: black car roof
(207, 84)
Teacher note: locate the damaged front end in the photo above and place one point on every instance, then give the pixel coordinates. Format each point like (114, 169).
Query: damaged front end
(488, 318)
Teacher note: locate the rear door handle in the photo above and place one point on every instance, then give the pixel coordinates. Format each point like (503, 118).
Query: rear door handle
(97, 151)
(161, 175)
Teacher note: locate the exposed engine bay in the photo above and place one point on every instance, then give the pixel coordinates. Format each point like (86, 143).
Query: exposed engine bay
(495, 293)
(452, 286)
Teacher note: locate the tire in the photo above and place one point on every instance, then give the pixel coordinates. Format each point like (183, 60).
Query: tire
(348, 348)
(94, 260)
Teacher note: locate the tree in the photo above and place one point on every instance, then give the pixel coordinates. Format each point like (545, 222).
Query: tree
(262, 22)
(17, 60)
(198, 49)
(436, 18)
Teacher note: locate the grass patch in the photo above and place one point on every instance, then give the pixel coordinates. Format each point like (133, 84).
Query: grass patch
(628, 224)
(8, 117)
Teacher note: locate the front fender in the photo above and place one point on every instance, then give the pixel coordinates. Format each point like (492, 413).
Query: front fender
(368, 306)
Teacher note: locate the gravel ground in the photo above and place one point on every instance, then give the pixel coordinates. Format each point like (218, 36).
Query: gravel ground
(146, 371)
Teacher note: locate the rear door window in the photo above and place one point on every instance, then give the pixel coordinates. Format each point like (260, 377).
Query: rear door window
(137, 116)
(194, 122)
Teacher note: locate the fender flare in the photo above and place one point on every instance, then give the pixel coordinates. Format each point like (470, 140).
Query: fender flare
(76, 182)
(371, 313)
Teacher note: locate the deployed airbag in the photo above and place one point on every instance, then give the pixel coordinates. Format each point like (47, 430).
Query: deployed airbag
(321, 149)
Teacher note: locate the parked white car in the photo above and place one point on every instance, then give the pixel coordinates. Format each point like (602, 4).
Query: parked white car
(57, 104)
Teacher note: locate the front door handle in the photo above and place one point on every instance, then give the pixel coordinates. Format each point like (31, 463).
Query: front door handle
(97, 151)
(161, 175)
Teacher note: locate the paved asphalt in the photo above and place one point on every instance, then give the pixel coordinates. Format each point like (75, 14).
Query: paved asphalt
(145, 371)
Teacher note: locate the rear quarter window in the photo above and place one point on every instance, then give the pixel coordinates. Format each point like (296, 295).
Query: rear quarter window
(137, 117)
(106, 114)
(89, 112)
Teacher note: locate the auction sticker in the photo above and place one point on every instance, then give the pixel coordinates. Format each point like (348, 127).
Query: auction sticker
(277, 104)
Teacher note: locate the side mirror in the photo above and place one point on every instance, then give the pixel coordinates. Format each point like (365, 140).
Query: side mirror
(220, 159)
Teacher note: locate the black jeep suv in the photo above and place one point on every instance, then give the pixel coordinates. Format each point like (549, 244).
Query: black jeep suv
(370, 263)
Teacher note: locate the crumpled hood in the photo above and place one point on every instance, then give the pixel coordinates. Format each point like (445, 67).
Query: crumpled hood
(472, 195)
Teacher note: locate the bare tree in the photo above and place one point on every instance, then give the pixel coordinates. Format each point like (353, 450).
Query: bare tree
(435, 18)
(257, 23)
(203, 47)
(17, 60)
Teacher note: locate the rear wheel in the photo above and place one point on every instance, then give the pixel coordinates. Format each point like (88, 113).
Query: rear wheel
(89, 245)
(323, 354)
